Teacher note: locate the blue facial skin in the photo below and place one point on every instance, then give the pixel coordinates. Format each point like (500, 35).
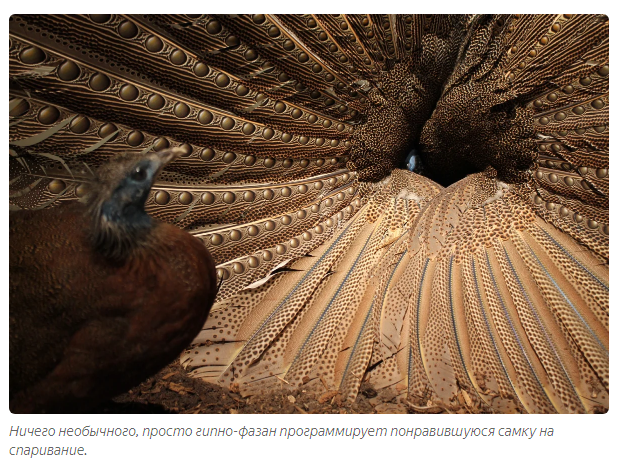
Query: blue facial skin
(127, 203)
(413, 161)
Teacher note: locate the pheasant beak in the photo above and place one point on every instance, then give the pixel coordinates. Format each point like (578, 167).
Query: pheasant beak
(162, 158)
(166, 156)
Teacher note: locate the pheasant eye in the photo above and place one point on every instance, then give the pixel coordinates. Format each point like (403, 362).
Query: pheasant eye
(139, 174)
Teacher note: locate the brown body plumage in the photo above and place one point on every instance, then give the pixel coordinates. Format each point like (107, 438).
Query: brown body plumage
(94, 313)
(337, 265)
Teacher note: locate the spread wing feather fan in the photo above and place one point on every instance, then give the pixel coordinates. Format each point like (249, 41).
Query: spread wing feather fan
(337, 264)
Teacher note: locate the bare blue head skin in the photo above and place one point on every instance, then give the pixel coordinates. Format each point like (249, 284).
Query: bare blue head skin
(126, 204)
(413, 162)
(117, 201)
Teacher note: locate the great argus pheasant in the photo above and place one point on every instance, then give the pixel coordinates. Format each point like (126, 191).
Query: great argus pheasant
(418, 202)
(101, 295)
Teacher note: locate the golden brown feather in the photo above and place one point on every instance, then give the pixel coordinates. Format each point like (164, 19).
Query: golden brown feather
(337, 265)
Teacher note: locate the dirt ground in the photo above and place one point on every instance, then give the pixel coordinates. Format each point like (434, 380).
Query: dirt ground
(172, 391)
